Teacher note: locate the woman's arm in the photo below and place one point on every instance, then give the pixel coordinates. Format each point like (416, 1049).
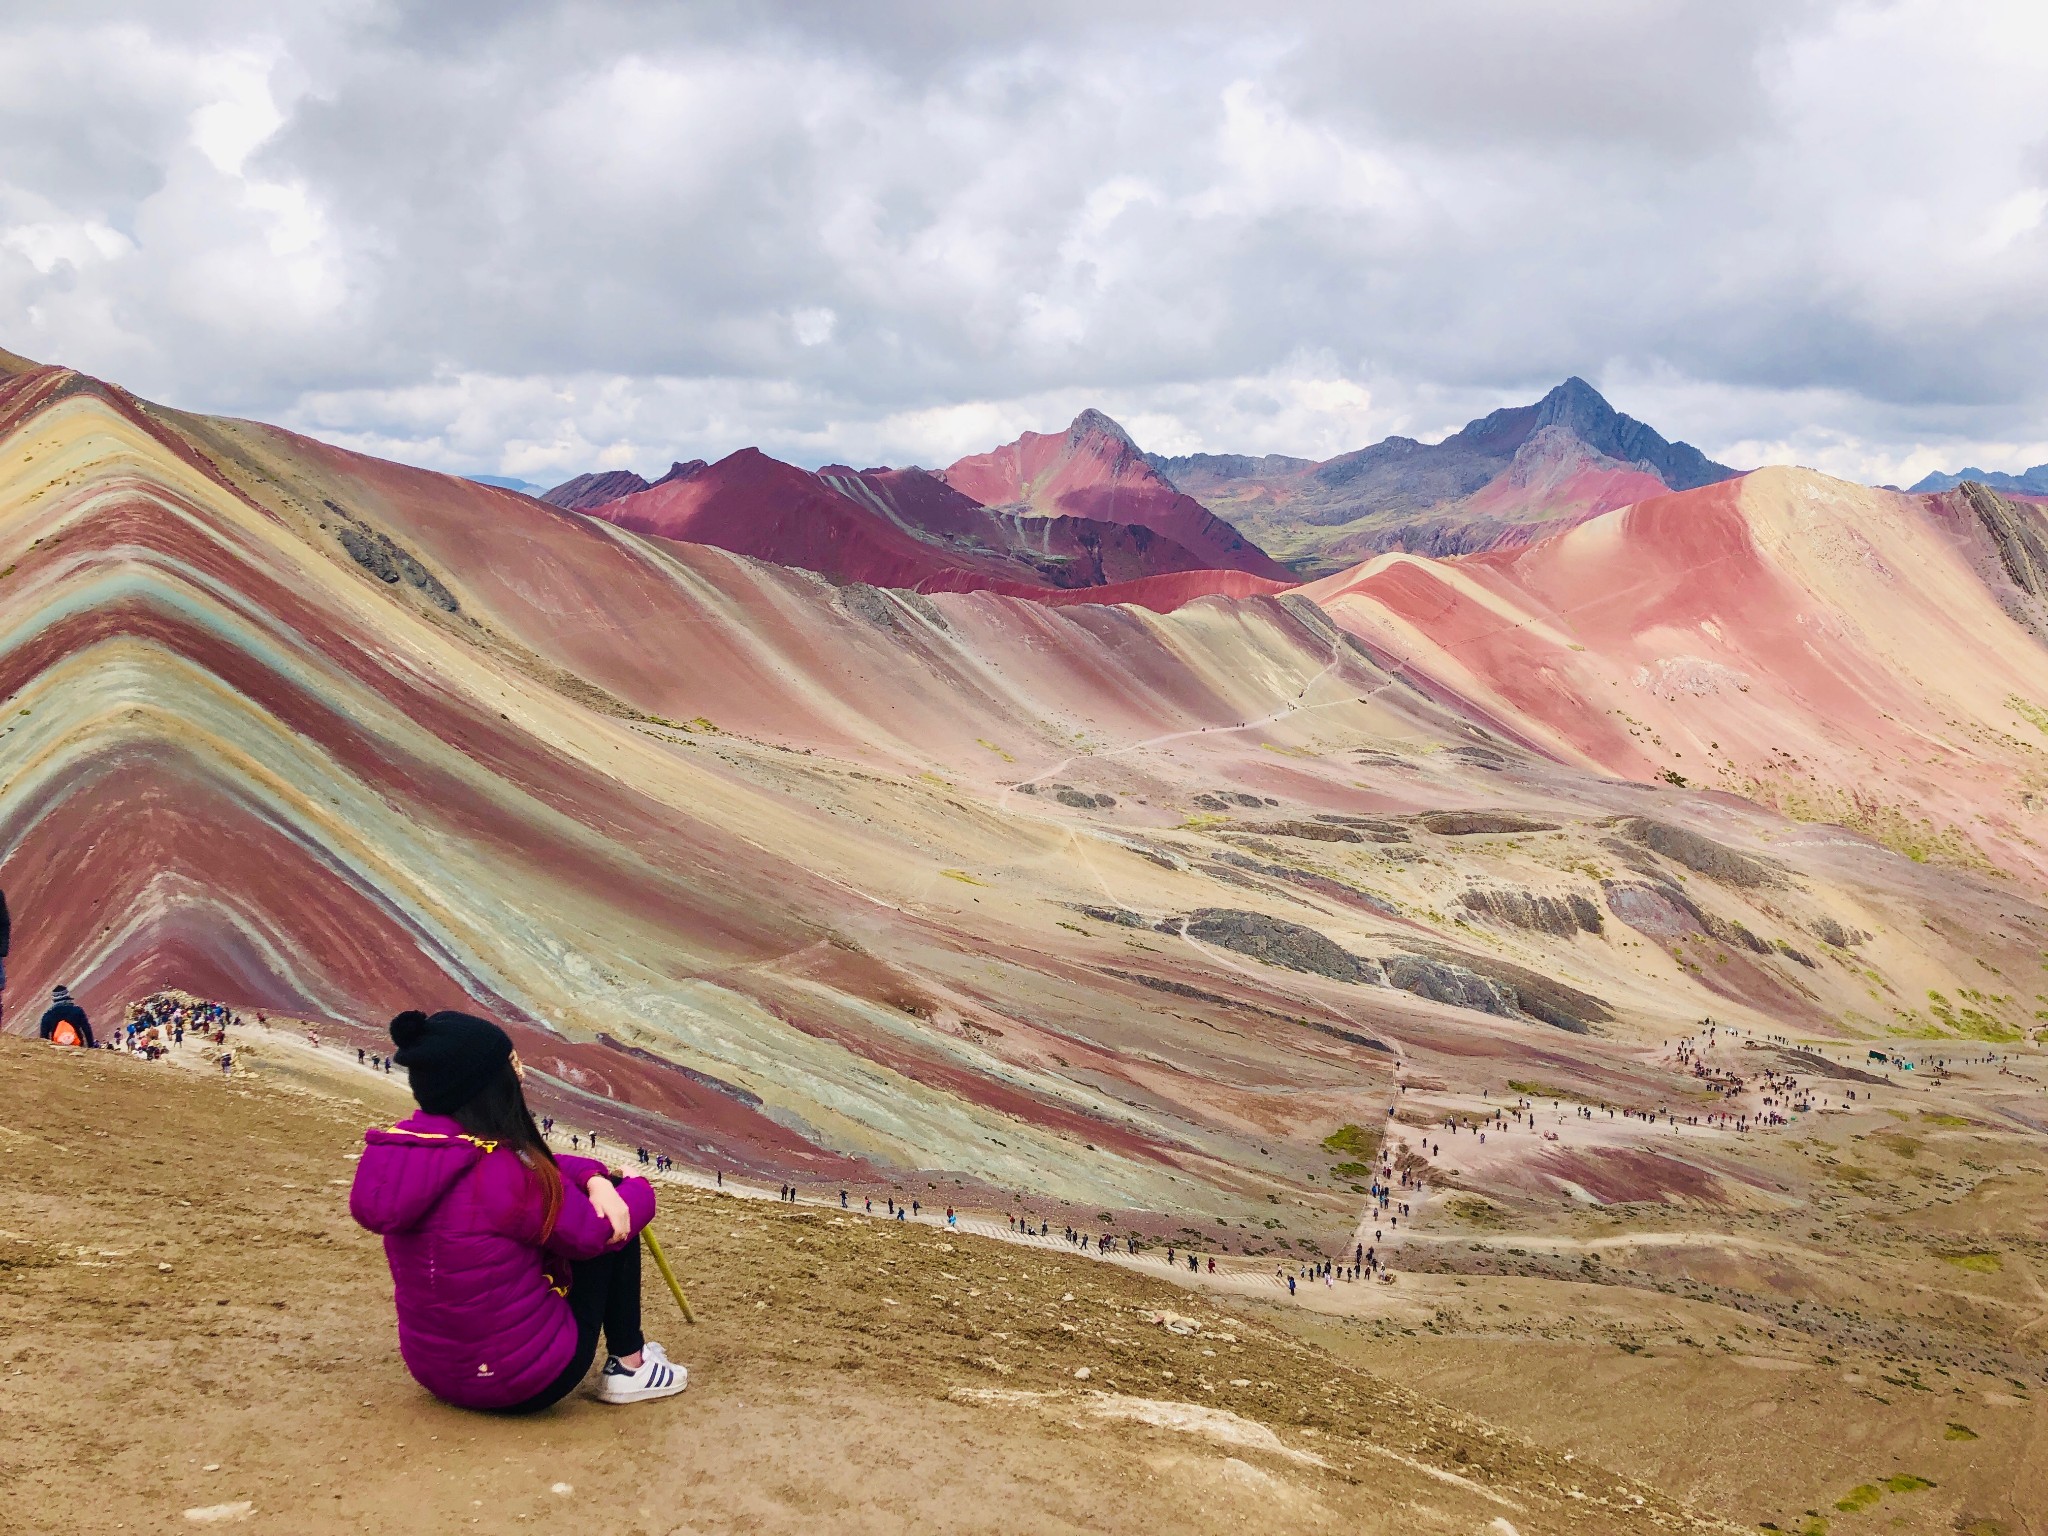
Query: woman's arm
(583, 1229)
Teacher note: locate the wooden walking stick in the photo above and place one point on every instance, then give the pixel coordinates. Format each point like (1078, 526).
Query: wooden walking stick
(661, 1263)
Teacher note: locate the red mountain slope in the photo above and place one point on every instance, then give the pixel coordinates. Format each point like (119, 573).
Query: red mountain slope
(1094, 470)
(1840, 653)
(887, 527)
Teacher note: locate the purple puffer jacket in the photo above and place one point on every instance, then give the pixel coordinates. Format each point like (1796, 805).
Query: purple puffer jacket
(481, 1323)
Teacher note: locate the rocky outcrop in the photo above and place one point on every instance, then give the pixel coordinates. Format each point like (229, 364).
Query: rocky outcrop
(1453, 984)
(388, 560)
(1122, 917)
(1479, 823)
(1701, 855)
(1081, 799)
(1565, 916)
(1311, 831)
(2018, 530)
(1308, 880)
(1275, 941)
(1828, 931)
(1538, 996)
(1224, 799)
(1068, 795)
(1664, 912)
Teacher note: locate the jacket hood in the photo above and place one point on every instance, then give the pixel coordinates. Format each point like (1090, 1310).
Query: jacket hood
(407, 1169)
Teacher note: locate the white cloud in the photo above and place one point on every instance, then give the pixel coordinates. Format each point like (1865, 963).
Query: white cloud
(538, 237)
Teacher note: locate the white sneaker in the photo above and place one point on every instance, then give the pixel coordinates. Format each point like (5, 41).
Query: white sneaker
(658, 1376)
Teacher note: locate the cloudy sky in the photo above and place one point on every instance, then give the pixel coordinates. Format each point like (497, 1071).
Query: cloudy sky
(534, 238)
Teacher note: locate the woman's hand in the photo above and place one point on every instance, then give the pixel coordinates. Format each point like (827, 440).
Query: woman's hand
(611, 1205)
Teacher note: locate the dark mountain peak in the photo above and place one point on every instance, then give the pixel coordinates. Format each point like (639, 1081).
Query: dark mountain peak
(1584, 411)
(1094, 424)
(1577, 405)
(587, 491)
(595, 490)
(682, 469)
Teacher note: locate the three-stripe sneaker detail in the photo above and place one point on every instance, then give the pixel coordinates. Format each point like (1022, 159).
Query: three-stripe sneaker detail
(658, 1376)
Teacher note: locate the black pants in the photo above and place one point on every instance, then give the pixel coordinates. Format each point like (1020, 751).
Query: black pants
(604, 1292)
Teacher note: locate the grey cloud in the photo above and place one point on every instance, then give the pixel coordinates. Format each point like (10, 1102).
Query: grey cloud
(481, 234)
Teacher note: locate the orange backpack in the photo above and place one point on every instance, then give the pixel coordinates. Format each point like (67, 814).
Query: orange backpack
(65, 1034)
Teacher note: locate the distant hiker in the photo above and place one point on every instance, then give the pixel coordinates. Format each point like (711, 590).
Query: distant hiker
(507, 1261)
(227, 1064)
(361, 1055)
(6, 943)
(842, 1199)
(1290, 1285)
(64, 1022)
(1212, 1263)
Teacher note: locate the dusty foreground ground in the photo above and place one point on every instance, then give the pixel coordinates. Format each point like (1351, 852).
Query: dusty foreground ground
(188, 1320)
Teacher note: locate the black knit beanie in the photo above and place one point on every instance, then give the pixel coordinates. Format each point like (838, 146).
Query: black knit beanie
(451, 1057)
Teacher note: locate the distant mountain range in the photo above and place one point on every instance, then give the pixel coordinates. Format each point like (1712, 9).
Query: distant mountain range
(2032, 482)
(1086, 508)
(1051, 512)
(1504, 479)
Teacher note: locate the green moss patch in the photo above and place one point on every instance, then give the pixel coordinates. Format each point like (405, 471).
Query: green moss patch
(1979, 1261)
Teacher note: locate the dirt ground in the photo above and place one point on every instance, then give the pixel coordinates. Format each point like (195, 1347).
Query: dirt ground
(191, 1322)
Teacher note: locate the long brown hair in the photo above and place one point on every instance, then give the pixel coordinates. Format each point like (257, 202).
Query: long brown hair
(498, 1113)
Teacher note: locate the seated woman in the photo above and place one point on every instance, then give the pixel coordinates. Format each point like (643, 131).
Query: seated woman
(506, 1260)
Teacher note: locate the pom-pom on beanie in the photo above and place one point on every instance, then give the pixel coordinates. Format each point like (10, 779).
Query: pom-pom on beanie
(450, 1057)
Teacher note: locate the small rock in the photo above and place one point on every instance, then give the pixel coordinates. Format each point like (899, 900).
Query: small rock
(221, 1514)
(562, 1488)
(165, 1268)
(211, 1466)
(1082, 1373)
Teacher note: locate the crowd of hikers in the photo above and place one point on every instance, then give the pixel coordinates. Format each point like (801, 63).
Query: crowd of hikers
(150, 1028)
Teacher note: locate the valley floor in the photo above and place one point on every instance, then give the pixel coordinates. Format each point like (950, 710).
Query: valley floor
(191, 1322)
